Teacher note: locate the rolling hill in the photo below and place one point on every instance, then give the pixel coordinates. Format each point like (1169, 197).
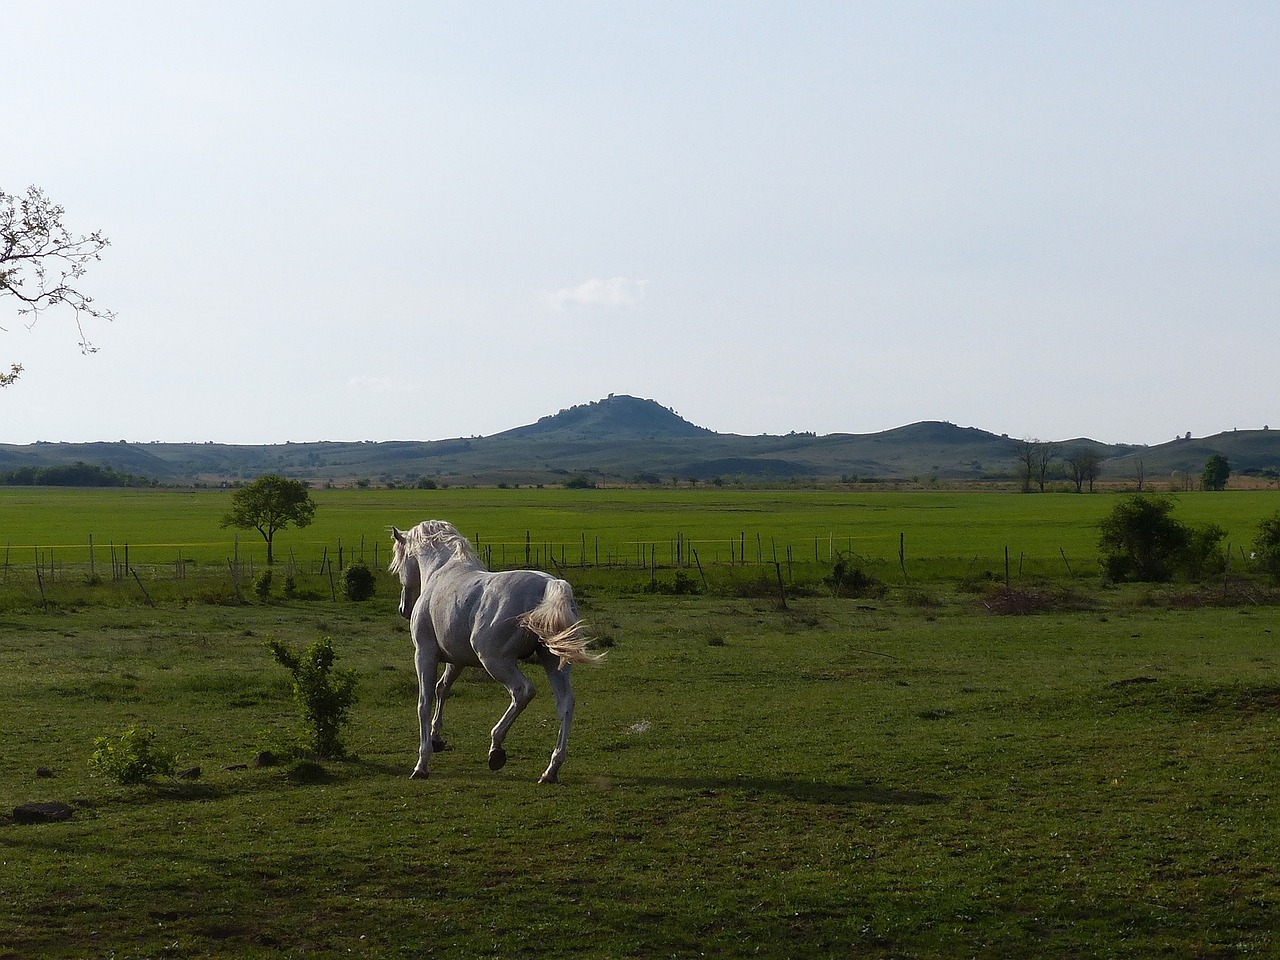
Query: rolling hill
(623, 439)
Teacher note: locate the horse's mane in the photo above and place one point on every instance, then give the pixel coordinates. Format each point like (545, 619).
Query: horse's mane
(438, 535)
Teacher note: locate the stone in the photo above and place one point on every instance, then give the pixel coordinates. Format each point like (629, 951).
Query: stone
(41, 812)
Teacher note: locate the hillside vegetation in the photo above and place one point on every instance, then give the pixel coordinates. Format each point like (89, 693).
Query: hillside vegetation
(623, 439)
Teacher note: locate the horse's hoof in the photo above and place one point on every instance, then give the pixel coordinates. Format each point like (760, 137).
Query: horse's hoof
(418, 775)
(438, 746)
(545, 778)
(497, 759)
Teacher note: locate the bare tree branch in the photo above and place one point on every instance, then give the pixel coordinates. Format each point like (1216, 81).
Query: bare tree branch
(41, 263)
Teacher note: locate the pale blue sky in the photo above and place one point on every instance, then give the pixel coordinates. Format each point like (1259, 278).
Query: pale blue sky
(418, 220)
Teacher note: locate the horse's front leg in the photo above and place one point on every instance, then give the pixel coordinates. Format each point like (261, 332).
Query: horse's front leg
(424, 662)
(451, 673)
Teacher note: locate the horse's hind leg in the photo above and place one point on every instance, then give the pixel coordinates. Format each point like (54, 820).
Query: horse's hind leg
(424, 662)
(559, 677)
(451, 673)
(507, 673)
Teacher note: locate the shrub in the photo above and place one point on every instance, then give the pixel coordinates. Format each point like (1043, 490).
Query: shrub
(1204, 555)
(132, 757)
(358, 582)
(1142, 542)
(323, 695)
(848, 579)
(683, 585)
(1266, 546)
(262, 585)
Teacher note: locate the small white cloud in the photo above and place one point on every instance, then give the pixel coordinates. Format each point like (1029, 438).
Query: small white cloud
(372, 384)
(614, 292)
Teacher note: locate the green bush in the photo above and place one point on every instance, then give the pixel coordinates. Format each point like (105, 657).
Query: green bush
(324, 695)
(358, 582)
(683, 586)
(262, 585)
(132, 757)
(1266, 546)
(847, 579)
(1142, 542)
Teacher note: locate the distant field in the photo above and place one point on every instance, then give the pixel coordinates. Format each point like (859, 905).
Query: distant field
(608, 526)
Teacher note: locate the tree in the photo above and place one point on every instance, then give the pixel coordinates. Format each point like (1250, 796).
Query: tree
(1034, 457)
(269, 504)
(1140, 473)
(41, 262)
(1083, 466)
(1216, 472)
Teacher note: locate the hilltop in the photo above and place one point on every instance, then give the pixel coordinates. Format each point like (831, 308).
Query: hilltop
(624, 439)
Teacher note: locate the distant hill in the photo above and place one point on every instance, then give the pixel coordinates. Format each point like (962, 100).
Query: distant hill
(614, 418)
(623, 439)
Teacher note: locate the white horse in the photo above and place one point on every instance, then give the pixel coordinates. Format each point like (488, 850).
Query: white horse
(463, 614)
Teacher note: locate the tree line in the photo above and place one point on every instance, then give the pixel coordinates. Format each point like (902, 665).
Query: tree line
(1083, 466)
(78, 474)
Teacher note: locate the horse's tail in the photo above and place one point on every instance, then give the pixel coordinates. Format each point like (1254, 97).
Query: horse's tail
(555, 623)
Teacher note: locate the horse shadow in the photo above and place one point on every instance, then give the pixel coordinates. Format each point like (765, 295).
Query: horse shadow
(802, 791)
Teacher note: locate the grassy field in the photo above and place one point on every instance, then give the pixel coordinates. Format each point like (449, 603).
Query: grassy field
(903, 774)
(606, 526)
(842, 778)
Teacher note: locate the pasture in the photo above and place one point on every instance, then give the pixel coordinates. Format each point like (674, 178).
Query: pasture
(921, 535)
(905, 775)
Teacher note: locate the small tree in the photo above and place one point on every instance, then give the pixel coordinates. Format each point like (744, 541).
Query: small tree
(41, 262)
(323, 695)
(270, 504)
(1140, 474)
(1034, 458)
(1216, 472)
(1083, 466)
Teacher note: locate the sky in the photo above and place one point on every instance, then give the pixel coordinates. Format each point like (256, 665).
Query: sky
(423, 220)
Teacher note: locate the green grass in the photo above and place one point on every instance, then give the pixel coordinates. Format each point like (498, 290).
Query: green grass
(958, 530)
(843, 778)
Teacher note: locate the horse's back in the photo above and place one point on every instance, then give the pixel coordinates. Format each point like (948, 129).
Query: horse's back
(476, 613)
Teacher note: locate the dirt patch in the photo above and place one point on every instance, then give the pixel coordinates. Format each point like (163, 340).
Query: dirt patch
(1223, 595)
(1024, 601)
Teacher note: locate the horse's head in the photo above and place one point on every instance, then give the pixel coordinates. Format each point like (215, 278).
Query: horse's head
(404, 562)
(423, 551)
